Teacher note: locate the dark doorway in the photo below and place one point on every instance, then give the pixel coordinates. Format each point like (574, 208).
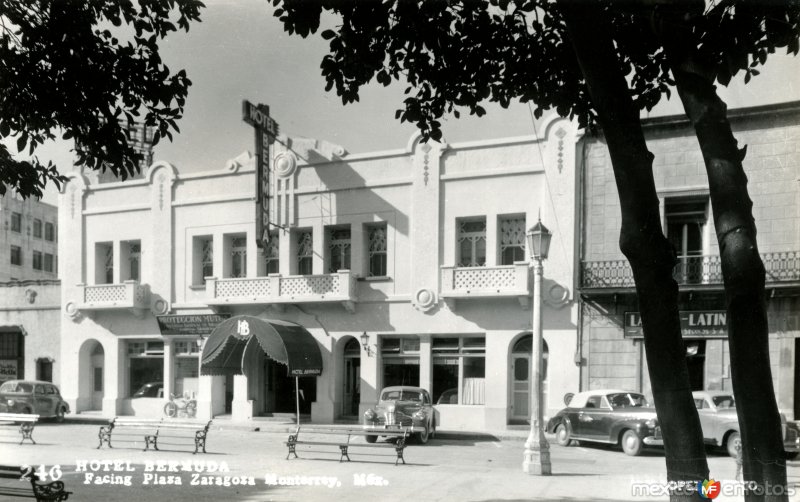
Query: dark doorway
(284, 386)
(696, 362)
(228, 393)
(797, 378)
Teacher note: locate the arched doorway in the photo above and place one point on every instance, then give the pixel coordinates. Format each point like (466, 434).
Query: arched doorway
(91, 377)
(351, 392)
(521, 376)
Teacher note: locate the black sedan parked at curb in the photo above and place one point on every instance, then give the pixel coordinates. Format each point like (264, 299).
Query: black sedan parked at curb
(608, 416)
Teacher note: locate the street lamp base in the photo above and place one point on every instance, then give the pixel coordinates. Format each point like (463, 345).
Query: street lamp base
(537, 463)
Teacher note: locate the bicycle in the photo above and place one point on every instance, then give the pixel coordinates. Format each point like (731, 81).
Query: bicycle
(180, 405)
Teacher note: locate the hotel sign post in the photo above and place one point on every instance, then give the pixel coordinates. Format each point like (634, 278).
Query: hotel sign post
(266, 131)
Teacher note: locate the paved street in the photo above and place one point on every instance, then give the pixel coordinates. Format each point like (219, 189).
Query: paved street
(453, 467)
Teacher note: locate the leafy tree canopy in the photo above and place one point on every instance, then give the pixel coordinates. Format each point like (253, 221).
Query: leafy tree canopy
(458, 54)
(81, 69)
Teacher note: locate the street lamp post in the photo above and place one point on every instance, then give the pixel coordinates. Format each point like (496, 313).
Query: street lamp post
(537, 450)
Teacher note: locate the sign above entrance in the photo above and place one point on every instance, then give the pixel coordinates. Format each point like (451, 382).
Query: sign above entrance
(694, 324)
(202, 324)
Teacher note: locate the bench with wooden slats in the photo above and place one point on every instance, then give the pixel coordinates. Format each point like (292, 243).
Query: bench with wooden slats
(155, 432)
(345, 434)
(18, 482)
(26, 423)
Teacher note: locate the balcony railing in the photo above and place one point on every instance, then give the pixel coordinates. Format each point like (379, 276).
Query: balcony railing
(128, 295)
(780, 267)
(486, 282)
(276, 289)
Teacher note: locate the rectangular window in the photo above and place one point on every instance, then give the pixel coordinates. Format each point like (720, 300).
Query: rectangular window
(103, 263)
(134, 260)
(459, 370)
(202, 259)
(512, 239)
(686, 218)
(471, 242)
(16, 255)
(376, 250)
(272, 254)
(338, 249)
(37, 228)
(239, 257)
(16, 222)
(400, 361)
(49, 232)
(146, 364)
(48, 263)
(44, 370)
(305, 253)
(37, 260)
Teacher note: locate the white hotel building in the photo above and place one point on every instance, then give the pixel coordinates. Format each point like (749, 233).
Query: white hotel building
(420, 248)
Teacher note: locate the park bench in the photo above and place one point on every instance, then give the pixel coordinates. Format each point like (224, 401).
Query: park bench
(23, 483)
(343, 439)
(26, 423)
(155, 432)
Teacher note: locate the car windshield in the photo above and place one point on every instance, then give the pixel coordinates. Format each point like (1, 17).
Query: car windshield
(627, 400)
(16, 387)
(724, 401)
(401, 395)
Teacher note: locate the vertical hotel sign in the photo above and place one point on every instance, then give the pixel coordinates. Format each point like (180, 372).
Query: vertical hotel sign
(266, 131)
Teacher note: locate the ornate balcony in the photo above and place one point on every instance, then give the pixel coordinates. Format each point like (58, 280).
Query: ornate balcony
(278, 290)
(129, 295)
(690, 271)
(487, 282)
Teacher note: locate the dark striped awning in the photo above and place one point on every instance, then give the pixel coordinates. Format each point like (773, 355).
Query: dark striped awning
(282, 341)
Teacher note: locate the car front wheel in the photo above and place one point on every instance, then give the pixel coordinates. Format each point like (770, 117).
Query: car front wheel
(631, 443)
(562, 435)
(371, 439)
(733, 443)
(422, 437)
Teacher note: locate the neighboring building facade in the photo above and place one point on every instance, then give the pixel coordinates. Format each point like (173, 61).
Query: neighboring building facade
(421, 249)
(30, 328)
(30, 239)
(29, 292)
(611, 347)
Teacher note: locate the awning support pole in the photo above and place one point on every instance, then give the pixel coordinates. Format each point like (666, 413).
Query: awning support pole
(297, 397)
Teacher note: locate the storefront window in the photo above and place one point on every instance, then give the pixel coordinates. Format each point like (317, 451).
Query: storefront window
(459, 370)
(187, 368)
(400, 361)
(146, 364)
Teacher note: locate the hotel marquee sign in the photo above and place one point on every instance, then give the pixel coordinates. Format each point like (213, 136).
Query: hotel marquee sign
(694, 324)
(266, 130)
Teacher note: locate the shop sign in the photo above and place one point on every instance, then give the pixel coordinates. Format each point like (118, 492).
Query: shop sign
(694, 324)
(8, 370)
(202, 324)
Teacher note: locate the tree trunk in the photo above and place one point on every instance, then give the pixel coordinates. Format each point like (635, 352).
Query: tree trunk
(642, 241)
(742, 269)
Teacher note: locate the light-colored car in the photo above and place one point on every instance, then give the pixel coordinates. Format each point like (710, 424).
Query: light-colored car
(402, 406)
(33, 397)
(608, 416)
(717, 412)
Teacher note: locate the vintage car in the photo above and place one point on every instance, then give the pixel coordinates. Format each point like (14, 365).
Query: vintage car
(717, 412)
(150, 389)
(34, 397)
(608, 416)
(399, 407)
